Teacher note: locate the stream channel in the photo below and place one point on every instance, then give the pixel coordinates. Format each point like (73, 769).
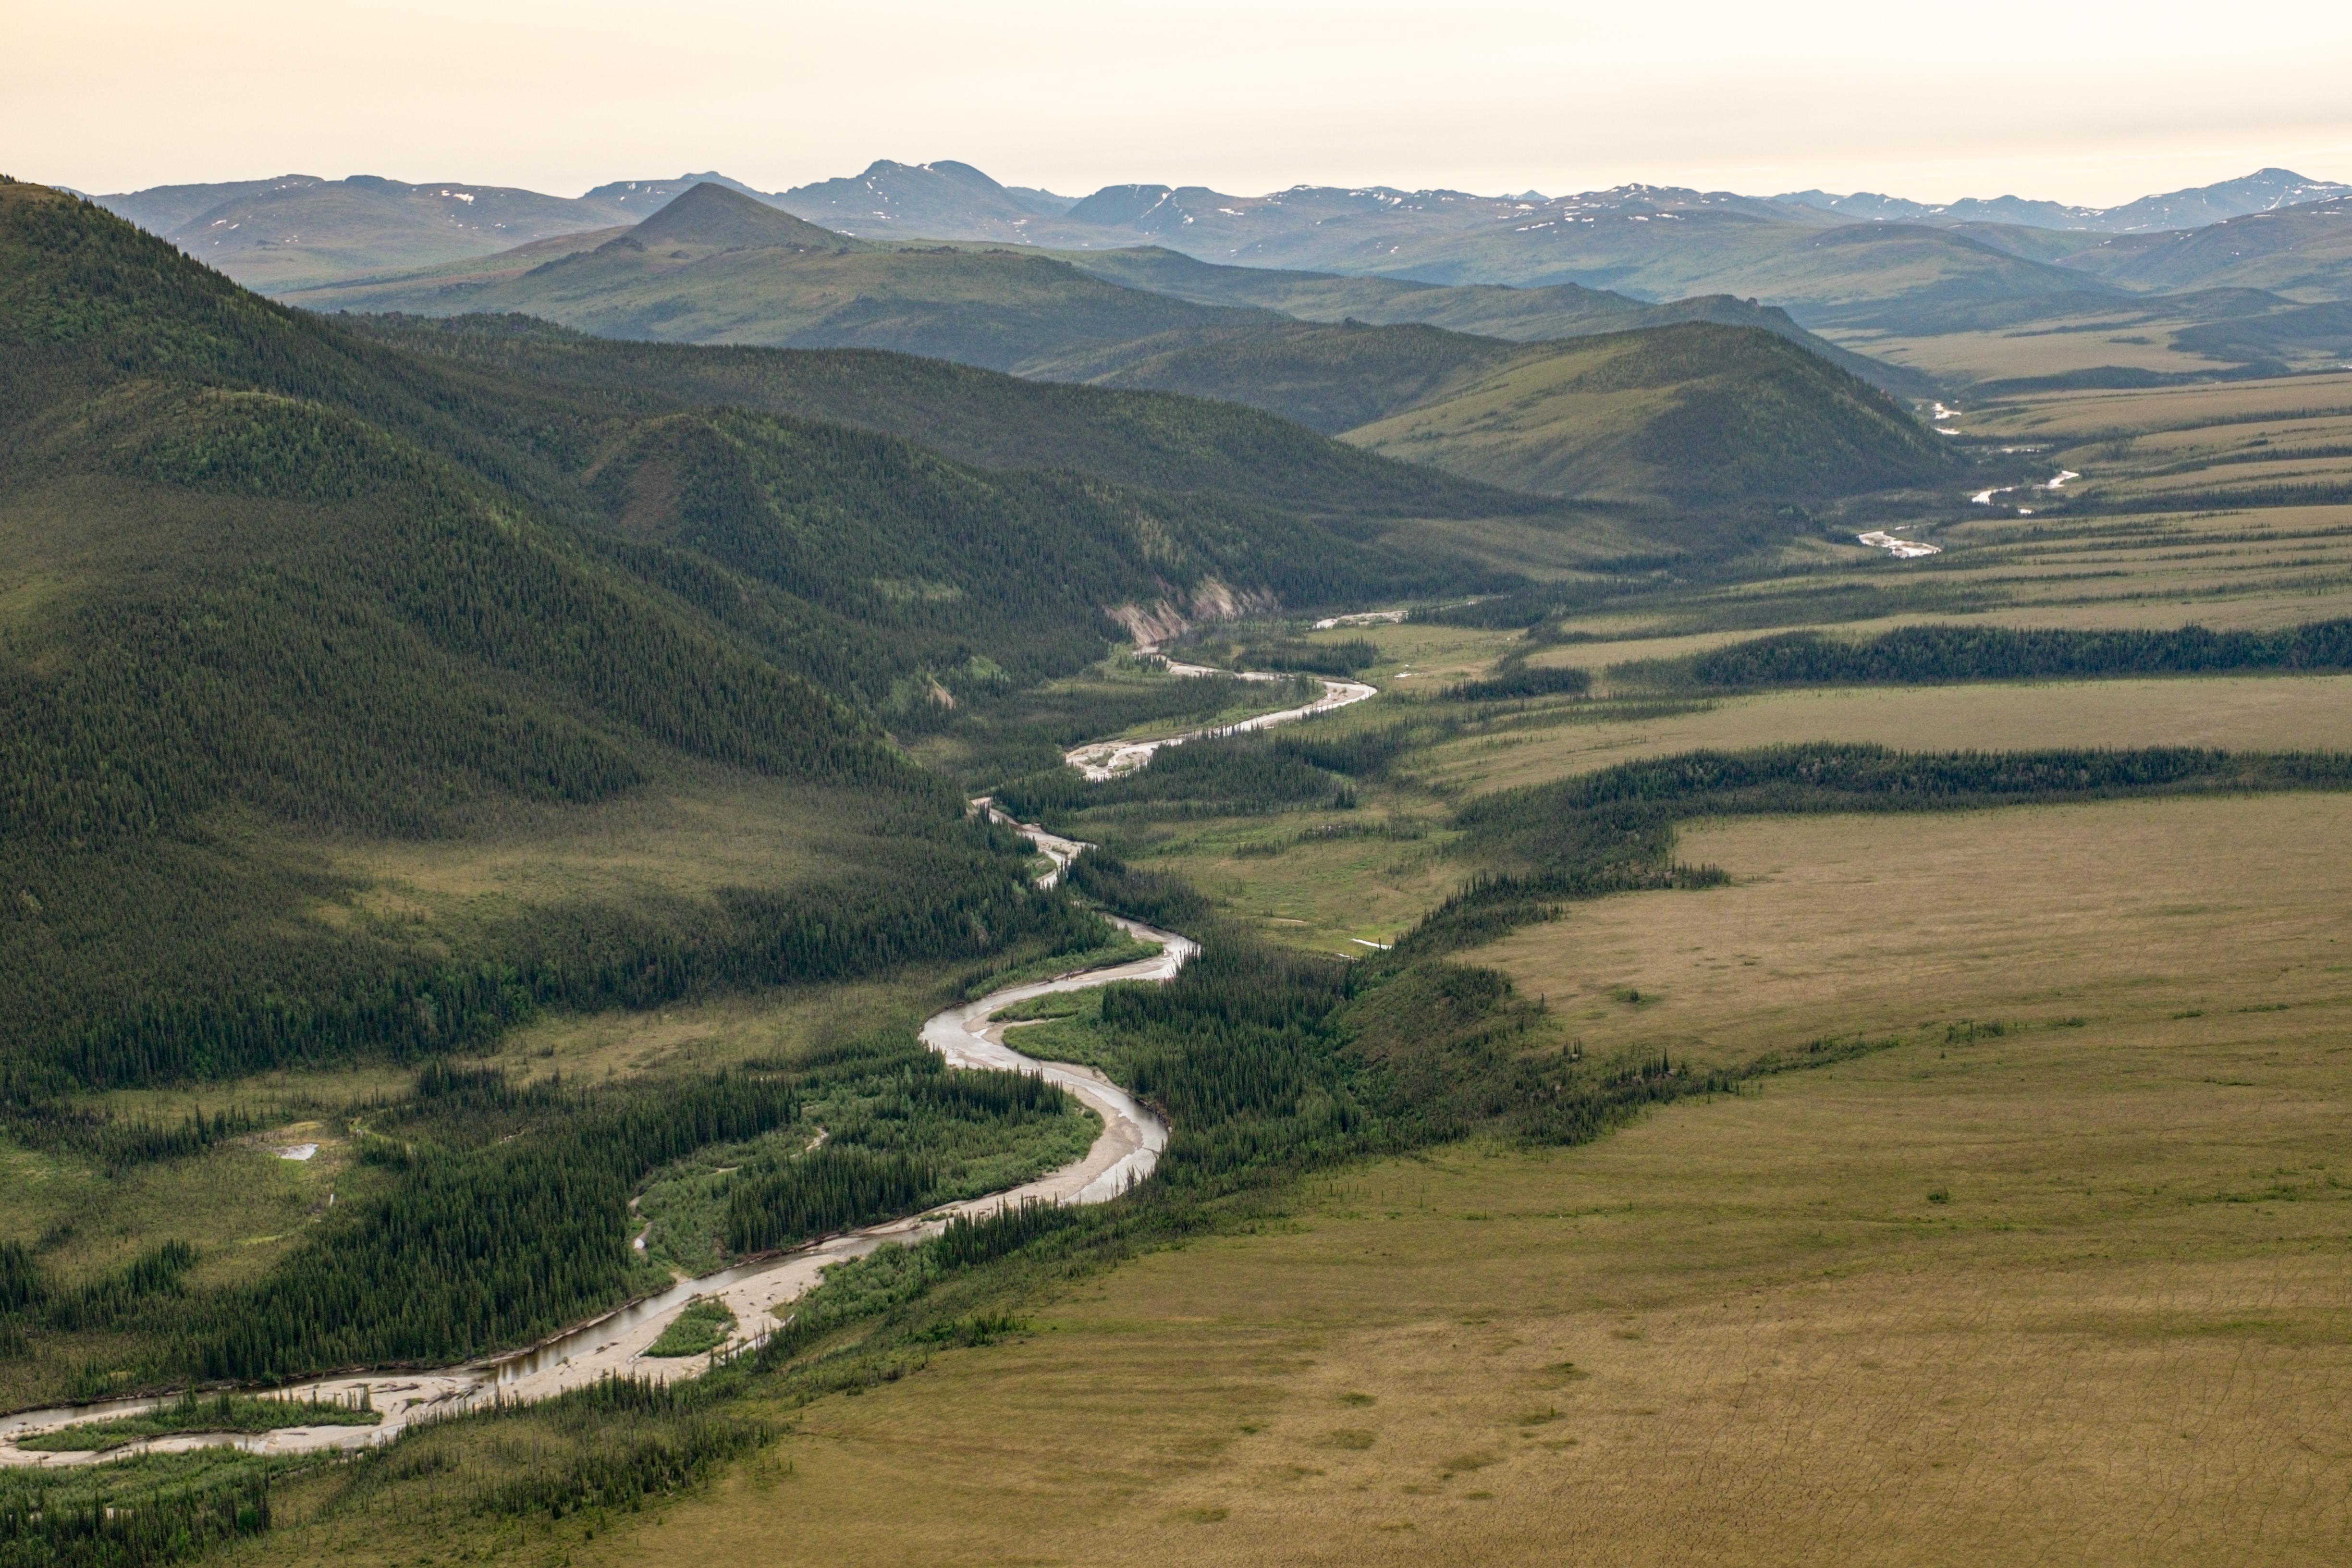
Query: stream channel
(760, 1291)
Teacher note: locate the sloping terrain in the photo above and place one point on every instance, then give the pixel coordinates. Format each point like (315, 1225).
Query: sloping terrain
(1520, 315)
(272, 587)
(2304, 252)
(1691, 414)
(1730, 417)
(716, 266)
(2264, 189)
(264, 584)
(1653, 242)
(1327, 378)
(985, 417)
(702, 277)
(1859, 262)
(298, 230)
(942, 200)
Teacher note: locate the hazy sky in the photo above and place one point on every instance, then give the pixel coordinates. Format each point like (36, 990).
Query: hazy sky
(2084, 103)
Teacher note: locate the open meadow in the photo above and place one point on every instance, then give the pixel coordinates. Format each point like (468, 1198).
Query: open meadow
(2058, 1273)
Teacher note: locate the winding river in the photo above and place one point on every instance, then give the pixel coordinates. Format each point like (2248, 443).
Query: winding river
(761, 1290)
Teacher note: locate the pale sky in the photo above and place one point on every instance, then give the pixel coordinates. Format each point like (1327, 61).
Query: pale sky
(2059, 99)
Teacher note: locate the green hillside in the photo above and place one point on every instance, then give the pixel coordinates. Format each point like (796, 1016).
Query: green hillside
(703, 272)
(264, 595)
(1329, 378)
(1156, 439)
(1562, 310)
(710, 215)
(1484, 309)
(278, 599)
(1692, 414)
(1729, 416)
(2304, 252)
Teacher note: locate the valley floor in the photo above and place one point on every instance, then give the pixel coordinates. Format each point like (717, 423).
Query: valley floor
(2060, 1276)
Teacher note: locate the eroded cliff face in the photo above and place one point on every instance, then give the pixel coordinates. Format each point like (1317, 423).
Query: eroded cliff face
(1211, 600)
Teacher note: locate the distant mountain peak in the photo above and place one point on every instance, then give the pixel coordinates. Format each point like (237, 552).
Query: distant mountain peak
(1115, 204)
(714, 214)
(2264, 189)
(963, 172)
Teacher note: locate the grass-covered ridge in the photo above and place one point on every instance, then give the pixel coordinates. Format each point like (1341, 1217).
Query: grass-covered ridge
(1159, 441)
(1695, 412)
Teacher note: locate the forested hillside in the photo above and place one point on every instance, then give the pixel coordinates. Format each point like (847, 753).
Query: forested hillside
(1161, 440)
(1696, 413)
(270, 586)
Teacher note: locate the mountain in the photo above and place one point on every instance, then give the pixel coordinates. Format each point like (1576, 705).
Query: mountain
(1825, 259)
(1523, 315)
(946, 200)
(717, 265)
(281, 597)
(1691, 415)
(2264, 189)
(270, 587)
(710, 216)
(627, 201)
(1891, 276)
(298, 230)
(723, 269)
(720, 266)
(2304, 252)
(1653, 243)
(1159, 441)
(1696, 415)
(160, 209)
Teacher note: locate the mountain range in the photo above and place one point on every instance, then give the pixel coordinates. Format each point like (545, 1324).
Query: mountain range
(2264, 189)
(1653, 242)
(275, 585)
(718, 266)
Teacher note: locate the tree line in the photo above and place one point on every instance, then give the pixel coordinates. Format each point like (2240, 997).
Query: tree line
(1923, 655)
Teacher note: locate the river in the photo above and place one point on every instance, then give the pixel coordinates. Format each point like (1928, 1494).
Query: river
(761, 1290)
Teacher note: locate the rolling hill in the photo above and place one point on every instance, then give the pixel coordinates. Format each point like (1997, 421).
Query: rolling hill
(1519, 315)
(1655, 243)
(1698, 413)
(706, 270)
(1160, 440)
(1859, 262)
(2304, 252)
(718, 267)
(278, 598)
(1731, 418)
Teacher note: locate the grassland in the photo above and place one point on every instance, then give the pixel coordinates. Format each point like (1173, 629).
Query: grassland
(1620, 417)
(2236, 713)
(2021, 1285)
(2124, 335)
(246, 1207)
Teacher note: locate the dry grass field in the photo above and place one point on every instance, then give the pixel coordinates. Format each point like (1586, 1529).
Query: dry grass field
(2158, 914)
(2253, 712)
(2058, 346)
(2070, 1294)
(1325, 880)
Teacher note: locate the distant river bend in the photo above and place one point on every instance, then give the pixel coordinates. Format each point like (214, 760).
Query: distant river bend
(761, 1290)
